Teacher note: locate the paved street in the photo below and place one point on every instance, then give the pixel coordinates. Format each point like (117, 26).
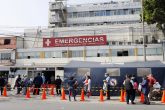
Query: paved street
(54, 103)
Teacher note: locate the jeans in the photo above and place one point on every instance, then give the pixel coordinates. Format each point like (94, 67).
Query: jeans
(72, 92)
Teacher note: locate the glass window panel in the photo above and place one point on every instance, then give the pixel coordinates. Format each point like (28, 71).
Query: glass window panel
(77, 53)
(131, 52)
(74, 14)
(143, 71)
(91, 13)
(20, 55)
(103, 53)
(91, 53)
(113, 71)
(83, 71)
(48, 54)
(159, 51)
(108, 12)
(114, 52)
(5, 56)
(140, 52)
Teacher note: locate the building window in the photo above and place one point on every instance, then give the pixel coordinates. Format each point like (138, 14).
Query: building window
(77, 53)
(74, 14)
(113, 71)
(48, 54)
(5, 56)
(83, 71)
(122, 53)
(7, 41)
(103, 53)
(143, 71)
(108, 13)
(91, 53)
(20, 56)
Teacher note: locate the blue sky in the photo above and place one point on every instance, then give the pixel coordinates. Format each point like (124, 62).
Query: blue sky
(28, 12)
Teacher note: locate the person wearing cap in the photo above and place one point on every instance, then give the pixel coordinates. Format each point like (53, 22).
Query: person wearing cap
(107, 82)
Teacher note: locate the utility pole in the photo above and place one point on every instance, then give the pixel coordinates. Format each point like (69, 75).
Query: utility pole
(144, 45)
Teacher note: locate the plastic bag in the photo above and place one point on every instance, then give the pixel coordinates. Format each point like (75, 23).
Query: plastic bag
(140, 87)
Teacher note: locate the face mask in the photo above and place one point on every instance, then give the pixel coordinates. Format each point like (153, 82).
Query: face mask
(106, 76)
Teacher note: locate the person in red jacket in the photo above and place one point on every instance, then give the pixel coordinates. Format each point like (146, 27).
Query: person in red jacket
(151, 82)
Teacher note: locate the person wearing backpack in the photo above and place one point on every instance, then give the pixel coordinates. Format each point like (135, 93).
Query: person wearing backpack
(18, 84)
(129, 88)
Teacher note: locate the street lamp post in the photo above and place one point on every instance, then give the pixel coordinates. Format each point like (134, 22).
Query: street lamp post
(144, 45)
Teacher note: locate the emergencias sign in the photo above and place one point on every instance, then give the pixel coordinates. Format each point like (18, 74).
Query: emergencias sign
(75, 41)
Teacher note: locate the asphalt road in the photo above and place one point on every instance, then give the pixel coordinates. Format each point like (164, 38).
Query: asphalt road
(54, 103)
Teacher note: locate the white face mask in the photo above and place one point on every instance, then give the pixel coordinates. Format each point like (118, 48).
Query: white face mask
(106, 75)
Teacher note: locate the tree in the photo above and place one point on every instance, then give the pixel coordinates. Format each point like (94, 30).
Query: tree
(154, 13)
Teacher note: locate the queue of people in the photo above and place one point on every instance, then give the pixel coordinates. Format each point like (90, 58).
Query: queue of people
(131, 84)
(132, 87)
(23, 83)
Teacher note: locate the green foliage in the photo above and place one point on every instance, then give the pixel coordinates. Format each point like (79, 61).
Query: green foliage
(154, 12)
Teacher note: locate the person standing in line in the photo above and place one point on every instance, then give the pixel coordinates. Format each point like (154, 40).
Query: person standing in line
(2, 84)
(107, 81)
(135, 86)
(89, 87)
(58, 83)
(145, 90)
(72, 83)
(151, 82)
(26, 84)
(129, 89)
(18, 84)
(86, 83)
(38, 81)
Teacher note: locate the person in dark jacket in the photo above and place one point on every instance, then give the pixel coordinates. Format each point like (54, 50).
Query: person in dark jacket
(18, 84)
(71, 88)
(2, 84)
(38, 81)
(129, 89)
(145, 90)
(58, 83)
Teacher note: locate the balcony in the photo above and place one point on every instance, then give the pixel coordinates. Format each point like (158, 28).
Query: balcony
(56, 6)
(55, 20)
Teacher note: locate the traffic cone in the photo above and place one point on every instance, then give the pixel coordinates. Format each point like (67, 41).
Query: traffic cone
(5, 92)
(28, 93)
(163, 97)
(82, 95)
(142, 98)
(52, 91)
(122, 96)
(44, 94)
(101, 96)
(63, 94)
